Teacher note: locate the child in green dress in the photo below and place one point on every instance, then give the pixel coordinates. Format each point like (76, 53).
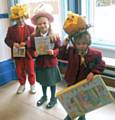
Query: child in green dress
(47, 72)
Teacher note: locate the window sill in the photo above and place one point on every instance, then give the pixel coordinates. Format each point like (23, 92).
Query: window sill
(110, 62)
(110, 67)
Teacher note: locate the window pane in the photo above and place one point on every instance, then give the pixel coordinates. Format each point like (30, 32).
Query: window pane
(101, 14)
(104, 22)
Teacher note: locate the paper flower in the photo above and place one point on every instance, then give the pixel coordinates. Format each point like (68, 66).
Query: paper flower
(74, 23)
(18, 11)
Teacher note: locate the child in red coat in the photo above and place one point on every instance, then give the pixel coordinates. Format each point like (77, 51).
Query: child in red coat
(18, 35)
(47, 72)
(83, 61)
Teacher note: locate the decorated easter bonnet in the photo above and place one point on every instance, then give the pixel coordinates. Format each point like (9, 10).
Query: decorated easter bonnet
(43, 10)
(74, 25)
(18, 11)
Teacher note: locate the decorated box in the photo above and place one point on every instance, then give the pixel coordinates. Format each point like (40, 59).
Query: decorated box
(85, 96)
(19, 52)
(43, 44)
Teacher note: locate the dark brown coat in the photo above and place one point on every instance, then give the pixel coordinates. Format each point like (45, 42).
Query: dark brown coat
(76, 72)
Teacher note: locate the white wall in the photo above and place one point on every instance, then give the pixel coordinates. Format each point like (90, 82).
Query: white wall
(5, 52)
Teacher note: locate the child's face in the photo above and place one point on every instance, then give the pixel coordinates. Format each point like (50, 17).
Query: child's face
(20, 21)
(43, 24)
(81, 46)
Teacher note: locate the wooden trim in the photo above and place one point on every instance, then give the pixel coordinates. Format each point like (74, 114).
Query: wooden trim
(109, 81)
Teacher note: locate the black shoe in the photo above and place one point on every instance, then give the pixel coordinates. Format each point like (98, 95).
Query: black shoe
(41, 101)
(52, 103)
(82, 117)
(67, 118)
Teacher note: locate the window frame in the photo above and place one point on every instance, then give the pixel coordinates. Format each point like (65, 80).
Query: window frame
(88, 9)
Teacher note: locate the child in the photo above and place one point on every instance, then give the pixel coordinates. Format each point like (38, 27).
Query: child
(18, 36)
(83, 61)
(47, 72)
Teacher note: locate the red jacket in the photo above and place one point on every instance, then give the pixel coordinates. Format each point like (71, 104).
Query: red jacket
(14, 36)
(48, 60)
(76, 72)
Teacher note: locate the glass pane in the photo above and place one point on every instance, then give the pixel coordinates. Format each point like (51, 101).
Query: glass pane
(101, 15)
(104, 22)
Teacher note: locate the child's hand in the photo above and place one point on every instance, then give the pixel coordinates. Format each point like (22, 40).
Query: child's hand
(36, 53)
(53, 37)
(66, 41)
(22, 44)
(90, 76)
(50, 52)
(16, 45)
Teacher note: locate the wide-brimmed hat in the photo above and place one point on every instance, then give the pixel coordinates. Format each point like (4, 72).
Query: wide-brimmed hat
(42, 14)
(18, 11)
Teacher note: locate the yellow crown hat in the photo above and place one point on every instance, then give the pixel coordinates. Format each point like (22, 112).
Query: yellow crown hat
(18, 11)
(74, 23)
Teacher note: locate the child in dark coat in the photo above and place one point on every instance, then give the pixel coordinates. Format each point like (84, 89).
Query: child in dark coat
(83, 61)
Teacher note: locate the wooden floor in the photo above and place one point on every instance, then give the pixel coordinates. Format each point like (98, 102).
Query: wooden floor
(23, 106)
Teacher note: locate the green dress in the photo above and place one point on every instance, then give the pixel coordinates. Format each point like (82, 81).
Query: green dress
(47, 76)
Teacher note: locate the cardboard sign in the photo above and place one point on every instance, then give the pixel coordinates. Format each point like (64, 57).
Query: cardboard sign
(85, 96)
(43, 44)
(19, 52)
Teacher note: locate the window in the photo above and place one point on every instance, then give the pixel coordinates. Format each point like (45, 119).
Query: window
(101, 15)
